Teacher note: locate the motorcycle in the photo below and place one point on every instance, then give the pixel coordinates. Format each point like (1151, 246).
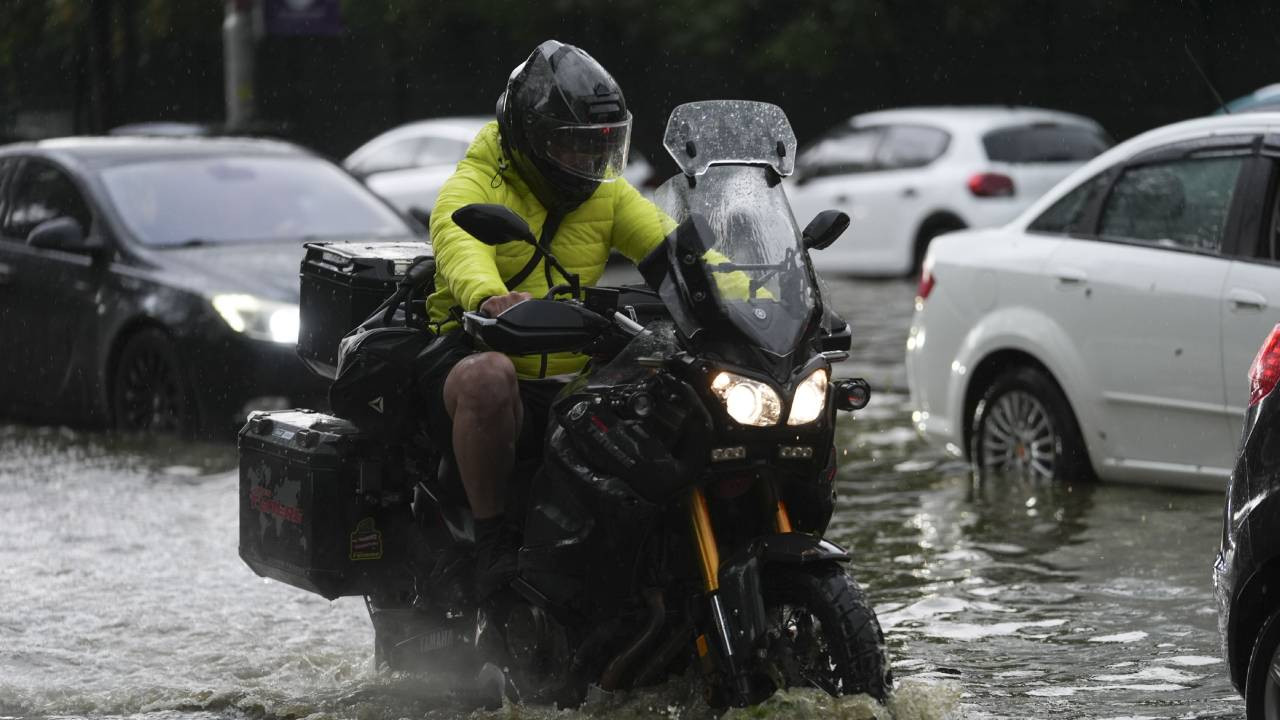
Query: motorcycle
(676, 517)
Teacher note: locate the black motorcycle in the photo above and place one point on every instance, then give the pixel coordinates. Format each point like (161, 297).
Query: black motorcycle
(676, 517)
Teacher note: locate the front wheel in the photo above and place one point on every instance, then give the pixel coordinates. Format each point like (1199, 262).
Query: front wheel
(149, 392)
(824, 632)
(1023, 427)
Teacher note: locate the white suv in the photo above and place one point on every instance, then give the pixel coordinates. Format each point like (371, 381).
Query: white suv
(907, 176)
(1109, 329)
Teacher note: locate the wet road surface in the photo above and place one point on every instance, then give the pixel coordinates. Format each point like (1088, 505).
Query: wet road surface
(121, 593)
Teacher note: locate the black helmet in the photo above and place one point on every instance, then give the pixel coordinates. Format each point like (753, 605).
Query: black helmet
(565, 124)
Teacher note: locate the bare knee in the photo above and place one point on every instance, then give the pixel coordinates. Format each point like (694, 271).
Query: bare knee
(483, 384)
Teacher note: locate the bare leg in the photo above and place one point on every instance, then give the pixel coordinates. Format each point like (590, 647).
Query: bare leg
(482, 397)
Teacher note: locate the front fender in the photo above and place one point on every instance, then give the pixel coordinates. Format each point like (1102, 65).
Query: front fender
(1032, 332)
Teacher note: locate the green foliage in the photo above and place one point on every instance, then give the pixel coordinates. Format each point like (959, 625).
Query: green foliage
(1118, 60)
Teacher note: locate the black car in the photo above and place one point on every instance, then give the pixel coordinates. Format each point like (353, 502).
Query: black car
(1247, 571)
(152, 283)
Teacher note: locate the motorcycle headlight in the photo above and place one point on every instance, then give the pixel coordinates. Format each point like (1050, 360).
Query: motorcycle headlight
(810, 399)
(257, 318)
(747, 401)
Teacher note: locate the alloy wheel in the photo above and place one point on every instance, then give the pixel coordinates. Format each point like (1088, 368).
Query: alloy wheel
(1019, 438)
(151, 396)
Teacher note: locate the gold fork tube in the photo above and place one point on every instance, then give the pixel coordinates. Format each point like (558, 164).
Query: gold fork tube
(782, 519)
(706, 539)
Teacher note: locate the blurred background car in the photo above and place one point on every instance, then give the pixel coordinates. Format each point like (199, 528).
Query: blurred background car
(906, 176)
(1104, 329)
(408, 164)
(1247, 571)
(1264, 99)
(151, 284)
(164, 128)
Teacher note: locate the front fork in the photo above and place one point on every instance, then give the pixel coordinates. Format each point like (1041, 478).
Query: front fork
(734, 667)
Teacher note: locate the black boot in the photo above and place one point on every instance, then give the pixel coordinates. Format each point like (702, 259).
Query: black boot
(497, 543)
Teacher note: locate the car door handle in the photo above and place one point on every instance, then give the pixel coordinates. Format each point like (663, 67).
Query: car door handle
(908, 192)
(1246, 300)
(6, 274)
(840, 199)
(1070, 278)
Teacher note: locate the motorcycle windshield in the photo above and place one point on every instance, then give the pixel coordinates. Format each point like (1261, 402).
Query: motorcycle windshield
(756, 265)
(742, 132)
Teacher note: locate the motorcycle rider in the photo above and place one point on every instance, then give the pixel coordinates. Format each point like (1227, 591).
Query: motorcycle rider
(554, 156)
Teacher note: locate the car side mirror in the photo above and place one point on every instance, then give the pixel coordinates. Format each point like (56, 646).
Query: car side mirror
(421, 214)
(493, 224)
(62, 233)
(823, 229)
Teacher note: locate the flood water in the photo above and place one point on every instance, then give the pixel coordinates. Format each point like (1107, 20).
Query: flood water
(121, 593)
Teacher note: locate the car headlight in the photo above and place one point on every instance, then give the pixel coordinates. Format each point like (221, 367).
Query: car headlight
(259, 319)
(747, 401)
(810, 399)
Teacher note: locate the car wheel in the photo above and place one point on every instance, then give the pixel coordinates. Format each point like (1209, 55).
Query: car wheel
(1262, 684)
(149, 392)
(930, 230)
(1024, 427)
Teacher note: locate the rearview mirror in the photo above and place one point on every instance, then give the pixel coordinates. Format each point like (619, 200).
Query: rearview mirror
(824, 229)
(61, 233)
(493, 224)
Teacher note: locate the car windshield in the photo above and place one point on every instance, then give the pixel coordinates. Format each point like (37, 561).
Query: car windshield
(209, 200)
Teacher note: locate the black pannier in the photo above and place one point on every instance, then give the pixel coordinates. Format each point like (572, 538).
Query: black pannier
(320, 506)
(342, 284)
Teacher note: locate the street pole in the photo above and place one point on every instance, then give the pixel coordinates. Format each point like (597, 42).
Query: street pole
(237, 57)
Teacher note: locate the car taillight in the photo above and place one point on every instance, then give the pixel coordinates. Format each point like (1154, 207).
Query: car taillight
(991, 185)
(926, 283)
(1265, 371)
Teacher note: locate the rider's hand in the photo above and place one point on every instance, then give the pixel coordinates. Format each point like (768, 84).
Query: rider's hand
(497, 304)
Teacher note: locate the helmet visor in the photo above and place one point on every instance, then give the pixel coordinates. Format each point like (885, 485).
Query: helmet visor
(594, 152)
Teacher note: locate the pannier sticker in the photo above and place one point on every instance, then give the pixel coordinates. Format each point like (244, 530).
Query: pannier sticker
(263, 498)
(366, 541)
(284, 434)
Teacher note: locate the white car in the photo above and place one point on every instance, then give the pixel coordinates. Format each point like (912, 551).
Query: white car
(1109, 329)
(907, 176)
(408, 165)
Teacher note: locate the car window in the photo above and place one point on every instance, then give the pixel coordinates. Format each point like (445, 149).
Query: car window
(1069, 215)
(440, 151)
(7, 167)
(846, 150)
(1044, 143)
(908, 146)
(1270, 250)
(1180, 204)
(41, 192)
(395, 155)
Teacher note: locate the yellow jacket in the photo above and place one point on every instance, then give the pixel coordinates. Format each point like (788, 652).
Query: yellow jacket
(468, 271)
